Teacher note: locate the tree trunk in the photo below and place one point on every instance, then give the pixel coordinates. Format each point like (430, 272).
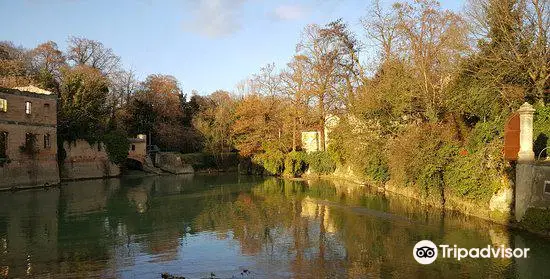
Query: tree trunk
(322, 123)
(294, 128)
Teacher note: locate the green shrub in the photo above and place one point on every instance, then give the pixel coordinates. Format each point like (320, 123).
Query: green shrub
(272, 159)
(541, 130)
(321, 162)
(476, 176)
(419, 157)
(362, 151)
(295, 163)
(117, 145)
(483, 133)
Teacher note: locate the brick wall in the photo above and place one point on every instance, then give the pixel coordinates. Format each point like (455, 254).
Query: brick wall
(43, 108)
(85, 160)
(22, 169)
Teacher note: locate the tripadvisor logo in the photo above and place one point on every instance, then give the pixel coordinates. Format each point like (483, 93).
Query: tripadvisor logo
(426, 252)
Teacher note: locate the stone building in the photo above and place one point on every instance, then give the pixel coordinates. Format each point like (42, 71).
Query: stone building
(311, 140)
(138, 148)
(28, 137)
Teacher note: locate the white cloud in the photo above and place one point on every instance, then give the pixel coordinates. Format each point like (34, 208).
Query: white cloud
(289, 12)
(215, 18)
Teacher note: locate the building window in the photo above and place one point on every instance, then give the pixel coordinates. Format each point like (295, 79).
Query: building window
(29, 139)
(29, 147)
(28, 107)
(47, 142)
(3, 105)
(47, 106)
(133, 147)
(3, 144)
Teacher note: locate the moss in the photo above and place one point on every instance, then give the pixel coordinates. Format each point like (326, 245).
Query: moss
(537, 219)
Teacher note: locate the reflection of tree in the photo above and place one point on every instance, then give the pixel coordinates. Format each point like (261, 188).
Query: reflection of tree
(316, 230)
(250, 217)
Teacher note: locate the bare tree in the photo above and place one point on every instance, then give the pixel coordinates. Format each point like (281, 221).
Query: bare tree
(123, 86)
(48, 57)
(295, 87)
(82, 51)
(321, 57)
(381, 27)
(267, 82)
(434, 40)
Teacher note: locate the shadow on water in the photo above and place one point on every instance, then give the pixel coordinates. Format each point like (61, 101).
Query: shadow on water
(229, 226)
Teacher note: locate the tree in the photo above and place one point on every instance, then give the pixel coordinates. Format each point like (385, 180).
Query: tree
(435, 40)
(259, 121)
(296, 88)
(123, 86)
(214, 121)
(382, 27)
(321, 59)
(82, 51)
(15, 67)
(513, 40)
(156, 109)
(83, 112)
(47, 62)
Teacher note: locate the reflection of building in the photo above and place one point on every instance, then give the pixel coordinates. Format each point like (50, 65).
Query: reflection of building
(29, 233)
(88, 196)
(311, 209)
(139, 196)
(28, 137)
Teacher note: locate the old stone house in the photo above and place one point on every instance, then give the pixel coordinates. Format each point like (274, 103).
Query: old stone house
(28, 137)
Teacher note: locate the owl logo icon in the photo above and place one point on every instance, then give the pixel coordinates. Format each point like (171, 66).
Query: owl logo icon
(425, 252)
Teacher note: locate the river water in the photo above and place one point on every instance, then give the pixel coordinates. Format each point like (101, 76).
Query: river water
(229, 226)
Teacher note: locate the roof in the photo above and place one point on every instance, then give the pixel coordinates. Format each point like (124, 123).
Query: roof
(21, 91)
(33, 89)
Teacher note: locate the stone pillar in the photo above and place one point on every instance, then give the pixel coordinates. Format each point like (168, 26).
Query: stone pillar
(526, 157)
(526, 153)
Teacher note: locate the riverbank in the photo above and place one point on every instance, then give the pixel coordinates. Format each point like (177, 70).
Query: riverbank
(536, 221)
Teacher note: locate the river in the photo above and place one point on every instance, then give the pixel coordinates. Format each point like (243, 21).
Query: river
(230, 226)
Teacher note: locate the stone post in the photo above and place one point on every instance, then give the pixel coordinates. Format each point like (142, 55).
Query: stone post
(526, 153)
(526, 157)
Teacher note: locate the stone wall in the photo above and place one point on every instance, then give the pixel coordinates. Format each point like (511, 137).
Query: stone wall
(84, 160)
(540, 190)
(19, 169)
(28, 173)
(172, 163)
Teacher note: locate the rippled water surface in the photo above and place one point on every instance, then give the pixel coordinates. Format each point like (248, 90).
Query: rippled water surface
(226, 226)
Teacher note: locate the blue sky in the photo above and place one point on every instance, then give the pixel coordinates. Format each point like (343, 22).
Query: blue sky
(205, 44)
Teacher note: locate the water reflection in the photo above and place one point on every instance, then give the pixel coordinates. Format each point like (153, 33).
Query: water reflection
(195, 225)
